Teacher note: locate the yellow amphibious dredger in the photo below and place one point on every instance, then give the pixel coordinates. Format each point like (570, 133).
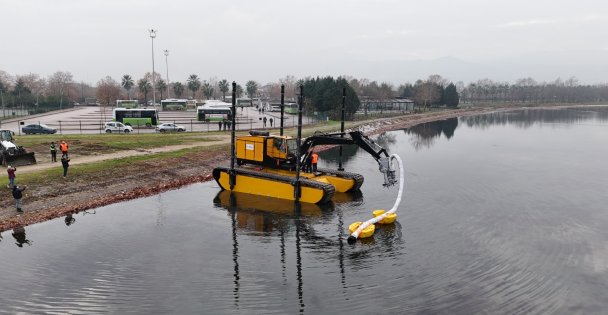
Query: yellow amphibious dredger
(267, 166)
(271, 165)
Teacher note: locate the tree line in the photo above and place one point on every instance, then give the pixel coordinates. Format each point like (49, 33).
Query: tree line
(323, 94)
(528, 90)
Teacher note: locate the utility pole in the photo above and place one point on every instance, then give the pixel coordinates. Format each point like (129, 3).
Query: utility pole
(168, 82)
(152, 36)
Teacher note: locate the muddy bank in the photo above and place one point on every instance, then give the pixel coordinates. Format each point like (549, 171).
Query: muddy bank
(75, 194)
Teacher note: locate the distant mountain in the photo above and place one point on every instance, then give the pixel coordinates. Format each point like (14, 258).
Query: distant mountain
(588, 67)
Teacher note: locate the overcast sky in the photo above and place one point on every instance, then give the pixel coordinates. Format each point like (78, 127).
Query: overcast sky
(382, 40)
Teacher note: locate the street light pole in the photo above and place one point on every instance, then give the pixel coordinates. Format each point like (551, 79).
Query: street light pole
(152, 36)
(168, 82)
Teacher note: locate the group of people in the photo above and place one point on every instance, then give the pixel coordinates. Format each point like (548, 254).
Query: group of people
(18, 190)
(227, 123)
(264, 120)
(65, 159)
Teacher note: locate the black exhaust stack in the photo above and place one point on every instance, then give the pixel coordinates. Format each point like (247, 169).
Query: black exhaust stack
(232, 174)
(282, 106)
(297, 191)
(340, 168)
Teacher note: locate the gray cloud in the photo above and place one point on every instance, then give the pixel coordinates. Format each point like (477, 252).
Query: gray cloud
(266, 40)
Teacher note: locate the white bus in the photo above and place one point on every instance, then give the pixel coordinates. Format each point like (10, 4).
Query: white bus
(244, 102)
(213, 110)
(127, 103)
(174, 104)
(136, 116)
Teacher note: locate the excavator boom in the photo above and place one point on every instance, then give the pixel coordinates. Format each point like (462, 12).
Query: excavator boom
(351, 138)
(347, 138)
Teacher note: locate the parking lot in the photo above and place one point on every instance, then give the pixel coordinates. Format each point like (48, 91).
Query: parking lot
(92, 119)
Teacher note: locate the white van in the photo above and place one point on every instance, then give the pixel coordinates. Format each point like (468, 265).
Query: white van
(115, 126)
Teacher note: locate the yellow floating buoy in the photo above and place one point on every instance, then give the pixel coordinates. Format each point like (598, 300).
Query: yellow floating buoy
(366, 232)
(378, 212)
(389, 218)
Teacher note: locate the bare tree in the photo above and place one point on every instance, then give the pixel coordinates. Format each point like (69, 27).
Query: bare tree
(59, 84)
(426, 93)
(108, 91)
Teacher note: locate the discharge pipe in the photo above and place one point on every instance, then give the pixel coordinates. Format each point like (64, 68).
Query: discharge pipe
(353, 237)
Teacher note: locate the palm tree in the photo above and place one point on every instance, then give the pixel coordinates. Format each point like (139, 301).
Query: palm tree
(144, 87)
(252, 88)
(127, 84)
(161, 86)
(207, 89)
(194, 83)
(178, 89)
(224, 88)
(239, 90)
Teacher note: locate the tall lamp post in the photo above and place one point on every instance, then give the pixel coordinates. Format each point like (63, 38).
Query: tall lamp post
(152, 36)
(167, 63)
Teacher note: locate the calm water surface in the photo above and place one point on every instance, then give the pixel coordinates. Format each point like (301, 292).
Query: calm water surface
(504, 214)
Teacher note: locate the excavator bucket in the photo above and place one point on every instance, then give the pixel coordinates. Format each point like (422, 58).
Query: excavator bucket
(20, 159)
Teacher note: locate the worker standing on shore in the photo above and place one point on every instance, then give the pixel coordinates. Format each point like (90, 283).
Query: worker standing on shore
(18, 195)
(64, 149)
(11, 176)
(65, 162)
(53, 152)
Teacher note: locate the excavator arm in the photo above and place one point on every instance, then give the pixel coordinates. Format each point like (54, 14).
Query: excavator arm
(347, 138)
(351, 138)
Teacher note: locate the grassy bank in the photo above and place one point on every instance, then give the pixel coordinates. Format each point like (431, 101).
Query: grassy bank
(107, 143)
(112, 167)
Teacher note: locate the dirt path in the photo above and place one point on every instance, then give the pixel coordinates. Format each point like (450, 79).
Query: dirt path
(76, 159)
(71, 195)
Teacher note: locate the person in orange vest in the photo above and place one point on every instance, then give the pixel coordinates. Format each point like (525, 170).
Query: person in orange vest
(315, 159)
(64, 149)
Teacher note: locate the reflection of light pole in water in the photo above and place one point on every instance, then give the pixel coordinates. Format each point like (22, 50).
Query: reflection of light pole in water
(152, 36)
(297, 211)
(235, 249)
(168, 82)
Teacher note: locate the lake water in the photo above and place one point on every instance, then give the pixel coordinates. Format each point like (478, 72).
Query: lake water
(503, 213)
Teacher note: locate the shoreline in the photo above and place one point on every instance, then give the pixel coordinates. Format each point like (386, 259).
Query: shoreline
(133, 183)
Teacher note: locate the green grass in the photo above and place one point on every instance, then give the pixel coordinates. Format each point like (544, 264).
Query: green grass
(101, 167)
(105, 143)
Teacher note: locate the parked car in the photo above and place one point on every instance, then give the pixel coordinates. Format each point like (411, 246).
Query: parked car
(115, 126)
(38, 128)
(170, 127)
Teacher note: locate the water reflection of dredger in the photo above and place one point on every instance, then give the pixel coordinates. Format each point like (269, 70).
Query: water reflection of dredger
(263, 212)
(260, 213)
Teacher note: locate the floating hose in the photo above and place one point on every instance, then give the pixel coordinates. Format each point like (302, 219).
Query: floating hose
(353, 237)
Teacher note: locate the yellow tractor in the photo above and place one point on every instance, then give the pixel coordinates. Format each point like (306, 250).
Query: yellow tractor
(267, 166)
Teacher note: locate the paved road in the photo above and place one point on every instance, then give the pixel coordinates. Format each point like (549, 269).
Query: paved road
(90, 119)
